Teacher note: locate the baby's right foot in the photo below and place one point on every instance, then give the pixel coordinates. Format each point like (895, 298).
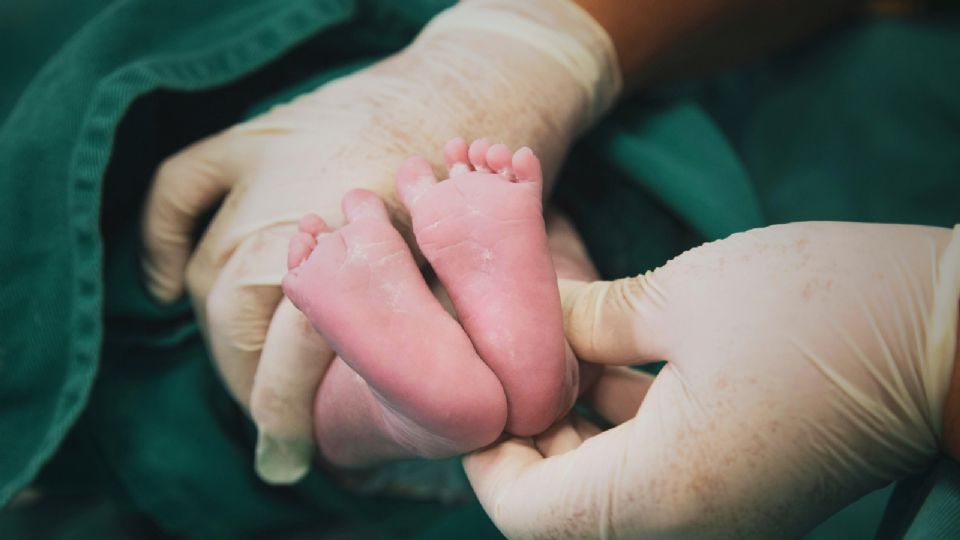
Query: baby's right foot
(483, 233)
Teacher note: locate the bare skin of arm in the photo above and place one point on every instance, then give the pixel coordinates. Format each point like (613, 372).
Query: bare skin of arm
(951, 410)
(658, 40)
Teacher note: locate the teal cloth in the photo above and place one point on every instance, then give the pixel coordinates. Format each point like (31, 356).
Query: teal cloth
(114, 396)
(925, 506)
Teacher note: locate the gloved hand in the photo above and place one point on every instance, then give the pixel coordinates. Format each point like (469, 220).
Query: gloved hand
(807, 364)
(531, 73)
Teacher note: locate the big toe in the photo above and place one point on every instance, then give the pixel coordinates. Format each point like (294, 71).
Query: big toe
(526, 166)
(414, 177)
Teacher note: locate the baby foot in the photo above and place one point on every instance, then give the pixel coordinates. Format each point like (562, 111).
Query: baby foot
(361, 289)
(483, 233)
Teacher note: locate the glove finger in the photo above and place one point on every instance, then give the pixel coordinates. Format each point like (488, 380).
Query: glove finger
(566, 435)
(614, 322)
(624, 482)
(184, 187)
(530, 495)
(569, 254)
(585, 428)
(293, 361)
(241, 304)
(618, 393)
(560, 438)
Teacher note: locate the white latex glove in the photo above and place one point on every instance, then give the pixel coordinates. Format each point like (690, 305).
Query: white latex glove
(807, 365)
(531, 73)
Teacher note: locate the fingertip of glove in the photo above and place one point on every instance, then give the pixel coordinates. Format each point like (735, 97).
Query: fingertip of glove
(282, 461)
(159, 284)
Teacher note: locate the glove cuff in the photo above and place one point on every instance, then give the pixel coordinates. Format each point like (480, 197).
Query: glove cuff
(559, 29)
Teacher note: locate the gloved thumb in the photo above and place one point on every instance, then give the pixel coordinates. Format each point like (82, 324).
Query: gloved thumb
(615, 322)
(185, 186)
(529, 491)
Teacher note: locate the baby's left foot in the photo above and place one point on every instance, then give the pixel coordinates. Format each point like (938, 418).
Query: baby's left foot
(483, 233)
(424, 386)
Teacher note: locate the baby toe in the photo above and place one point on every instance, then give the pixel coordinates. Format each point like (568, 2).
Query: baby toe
(455, 154)
(312, 224)
(301, 245)
(499, 160)
(413, 178)
(526, 166)
(363, 204)
(478, 155)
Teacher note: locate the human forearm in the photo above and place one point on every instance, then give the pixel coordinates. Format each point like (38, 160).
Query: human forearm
(951, 409)
(658, 40)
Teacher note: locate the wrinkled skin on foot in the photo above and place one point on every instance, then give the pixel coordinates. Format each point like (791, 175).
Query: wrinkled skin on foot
(482, 232)
(421, 384)
(424, 389)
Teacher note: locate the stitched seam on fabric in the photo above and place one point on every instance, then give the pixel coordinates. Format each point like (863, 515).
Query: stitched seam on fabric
(94, 142)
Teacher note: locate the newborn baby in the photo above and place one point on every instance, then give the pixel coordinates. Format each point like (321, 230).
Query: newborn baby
(412, 380)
